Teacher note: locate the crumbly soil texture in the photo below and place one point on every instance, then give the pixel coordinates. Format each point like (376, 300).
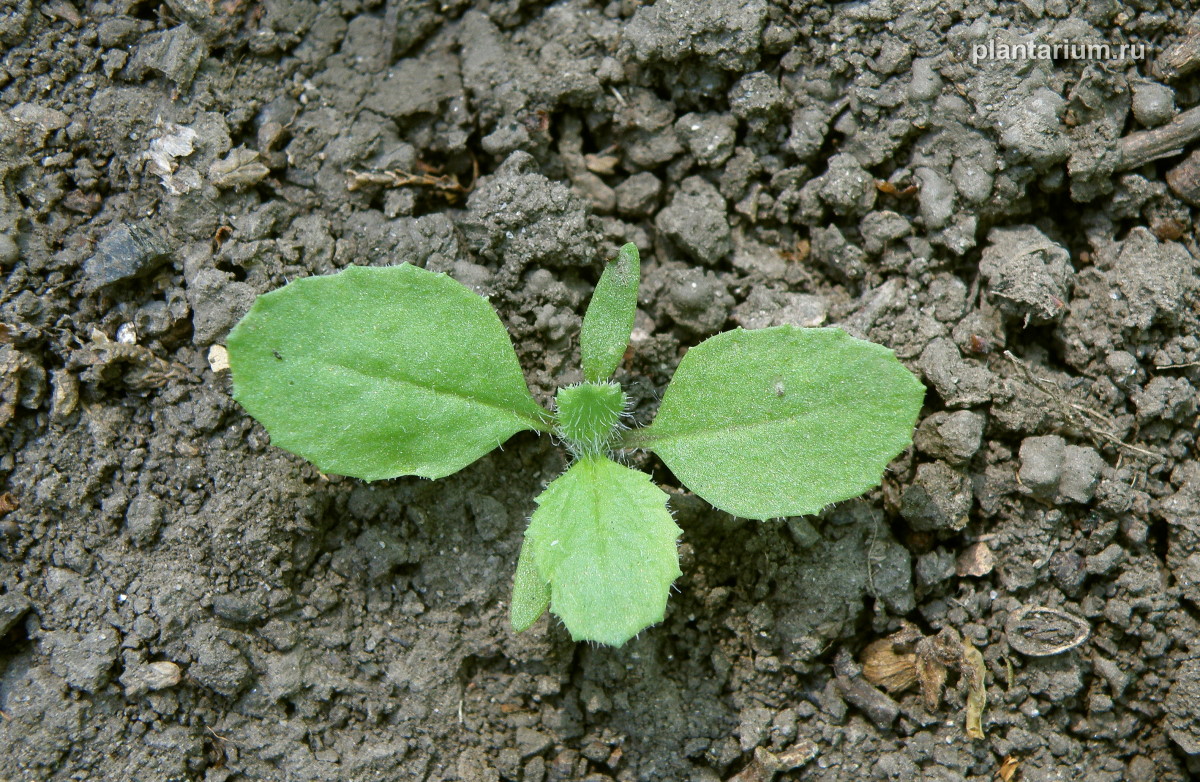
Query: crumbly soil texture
(180, 600)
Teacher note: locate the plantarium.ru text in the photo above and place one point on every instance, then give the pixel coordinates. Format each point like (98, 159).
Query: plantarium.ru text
(381, 372)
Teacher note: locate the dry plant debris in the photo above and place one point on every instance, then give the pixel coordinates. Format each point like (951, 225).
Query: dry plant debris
(1096, 424)
(765, 765)
(14, 366)
(909, 657)
(445, 185)
(1008, 769)
(103, 360)
(1036, 631)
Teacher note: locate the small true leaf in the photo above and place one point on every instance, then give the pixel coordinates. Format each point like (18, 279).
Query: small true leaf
(604, 541)
(783, 421)
(589, 414)
(609, 318)
(380, 372)
(531, 594)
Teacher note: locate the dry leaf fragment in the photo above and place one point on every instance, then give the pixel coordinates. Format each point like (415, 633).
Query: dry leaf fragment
(1008, 769)
(891, 189)
(765, 765)
(141, 678)
(800, 252)
(931, 673)
(140, 369)
(240, 169)
(601, 164)
(908, 656)
(175, 141)
(8, 503)
(885, 667)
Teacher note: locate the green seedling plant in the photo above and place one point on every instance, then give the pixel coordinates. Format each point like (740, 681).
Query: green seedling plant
(377, 373)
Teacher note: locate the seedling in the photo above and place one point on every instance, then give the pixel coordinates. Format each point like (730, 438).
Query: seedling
(381, 372)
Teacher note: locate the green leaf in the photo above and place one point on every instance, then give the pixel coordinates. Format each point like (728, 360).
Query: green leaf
(604, 541)
(609, 319)
(783, 421)
(380, 372)
(531, 594)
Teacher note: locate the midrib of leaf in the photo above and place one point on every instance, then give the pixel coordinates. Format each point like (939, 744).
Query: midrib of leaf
(595, 518)
(538, 424)
(646, 437)
(594, 515)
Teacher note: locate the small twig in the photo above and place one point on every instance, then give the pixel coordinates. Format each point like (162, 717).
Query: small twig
(446, 184)
(1179, 60)
(219, 737)
(871, 558)
(1178, 366)
(1083, 417)
(1140, 148)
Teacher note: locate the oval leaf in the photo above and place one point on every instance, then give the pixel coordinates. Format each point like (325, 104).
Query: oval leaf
(609, 318)
(381, 372)
(783, 421)
(604, 541)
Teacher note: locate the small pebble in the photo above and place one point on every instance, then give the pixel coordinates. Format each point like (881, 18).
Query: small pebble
(218, 358)
(1153, 103)
(975, 560)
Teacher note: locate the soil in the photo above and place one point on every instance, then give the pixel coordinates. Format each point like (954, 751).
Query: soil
(179, 600)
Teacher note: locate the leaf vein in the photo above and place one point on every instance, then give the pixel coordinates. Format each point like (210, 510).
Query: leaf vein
(538, 424)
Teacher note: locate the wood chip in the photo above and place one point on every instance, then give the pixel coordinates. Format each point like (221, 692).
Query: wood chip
(975, 673)
(1184, 179)
(64, 394)
(1138, 149)
(1179, 60)
(444, 185)
(138, 679)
